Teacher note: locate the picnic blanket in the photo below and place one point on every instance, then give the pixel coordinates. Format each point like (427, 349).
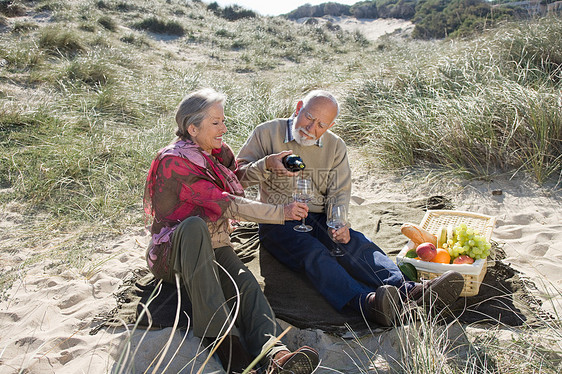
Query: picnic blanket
(504, 295)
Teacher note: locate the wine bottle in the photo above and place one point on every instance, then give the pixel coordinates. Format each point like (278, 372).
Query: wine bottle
(293, 163)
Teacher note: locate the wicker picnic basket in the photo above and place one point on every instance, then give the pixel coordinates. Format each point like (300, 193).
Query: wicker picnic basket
(473, 274)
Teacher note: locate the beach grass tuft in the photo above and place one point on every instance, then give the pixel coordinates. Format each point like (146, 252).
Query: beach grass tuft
(159, 26)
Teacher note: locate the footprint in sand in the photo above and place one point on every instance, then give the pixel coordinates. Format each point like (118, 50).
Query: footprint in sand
(104, 287)
(6, 317)
(68, 343)
(525, 219)
(67, 355)
(508, 232)
(71, 300)
(80, 291)
(545, 236)
(538, 249)
(29, 341)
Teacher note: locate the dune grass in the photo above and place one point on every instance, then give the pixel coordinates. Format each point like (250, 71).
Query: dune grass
(88, 91)
(483, 106)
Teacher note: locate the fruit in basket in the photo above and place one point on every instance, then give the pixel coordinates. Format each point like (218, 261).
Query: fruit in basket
(409, 271)
(442, 256)
(451, 239)
(442, 237)
(469, 242)
(418, 235)
(463, 259)
(426, 251)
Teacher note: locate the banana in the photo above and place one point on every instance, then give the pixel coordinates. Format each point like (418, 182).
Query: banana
(441, 237)
(451, 240)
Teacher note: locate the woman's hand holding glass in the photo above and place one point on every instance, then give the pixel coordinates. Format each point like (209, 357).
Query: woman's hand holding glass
(295, 211)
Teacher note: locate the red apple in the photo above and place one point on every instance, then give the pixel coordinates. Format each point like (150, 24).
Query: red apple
(463, 259)
(426, 251)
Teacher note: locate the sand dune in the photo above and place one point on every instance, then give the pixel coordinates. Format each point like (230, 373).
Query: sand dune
(372, 29)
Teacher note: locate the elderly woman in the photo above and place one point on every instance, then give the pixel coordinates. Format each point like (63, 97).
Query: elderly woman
(193, 194)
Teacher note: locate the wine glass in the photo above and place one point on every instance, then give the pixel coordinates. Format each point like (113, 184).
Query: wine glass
(336, 218)
(303, 194)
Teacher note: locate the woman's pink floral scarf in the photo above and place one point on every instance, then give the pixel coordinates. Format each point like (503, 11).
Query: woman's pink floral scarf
(185, 181)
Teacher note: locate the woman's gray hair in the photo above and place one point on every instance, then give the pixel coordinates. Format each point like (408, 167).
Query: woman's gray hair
(321, 93)
(193, 109)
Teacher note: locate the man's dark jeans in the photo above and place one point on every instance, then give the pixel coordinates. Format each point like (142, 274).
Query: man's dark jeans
(362, 269)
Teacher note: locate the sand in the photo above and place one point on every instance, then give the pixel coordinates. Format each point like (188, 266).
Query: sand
(373, 29)
(45, 319)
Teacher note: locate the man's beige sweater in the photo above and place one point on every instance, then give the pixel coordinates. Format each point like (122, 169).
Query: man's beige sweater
(326, 164)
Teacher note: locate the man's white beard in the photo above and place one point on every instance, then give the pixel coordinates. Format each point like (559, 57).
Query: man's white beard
(299, 138)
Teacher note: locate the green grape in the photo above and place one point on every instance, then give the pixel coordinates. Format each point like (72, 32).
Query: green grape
(469, 241)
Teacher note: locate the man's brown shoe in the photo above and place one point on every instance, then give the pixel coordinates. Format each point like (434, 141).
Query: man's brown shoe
(441, 291)
(382, 306)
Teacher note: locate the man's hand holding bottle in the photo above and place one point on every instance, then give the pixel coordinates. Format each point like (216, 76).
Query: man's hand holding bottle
(284, 163)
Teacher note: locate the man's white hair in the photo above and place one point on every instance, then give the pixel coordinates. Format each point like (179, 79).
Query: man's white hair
(321, 93)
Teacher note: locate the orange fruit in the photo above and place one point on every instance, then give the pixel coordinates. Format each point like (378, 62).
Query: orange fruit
(442, 256)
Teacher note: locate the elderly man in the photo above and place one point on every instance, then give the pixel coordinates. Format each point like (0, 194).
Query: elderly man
(364, 277)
